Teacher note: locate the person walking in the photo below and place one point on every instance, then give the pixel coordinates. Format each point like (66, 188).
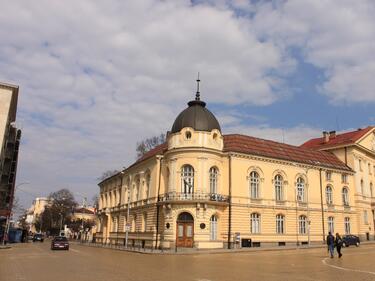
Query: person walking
(331, 243)
(338, 243)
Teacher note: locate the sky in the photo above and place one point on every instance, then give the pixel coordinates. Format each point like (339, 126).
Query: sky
(96, 77)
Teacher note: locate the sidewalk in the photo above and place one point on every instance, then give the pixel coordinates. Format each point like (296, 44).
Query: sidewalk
(192, 251)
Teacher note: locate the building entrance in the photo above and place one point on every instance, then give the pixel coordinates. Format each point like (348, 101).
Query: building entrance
(185, 230)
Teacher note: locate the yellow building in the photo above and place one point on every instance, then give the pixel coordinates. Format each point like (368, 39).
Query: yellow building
(203, 189)
(357, 150)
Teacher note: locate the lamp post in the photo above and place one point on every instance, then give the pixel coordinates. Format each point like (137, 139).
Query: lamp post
(127, 217)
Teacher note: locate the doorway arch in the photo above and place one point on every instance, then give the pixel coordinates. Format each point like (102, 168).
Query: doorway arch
(185, 230)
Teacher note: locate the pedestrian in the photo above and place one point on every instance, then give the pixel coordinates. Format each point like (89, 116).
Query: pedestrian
(338, 243)
(331, 243)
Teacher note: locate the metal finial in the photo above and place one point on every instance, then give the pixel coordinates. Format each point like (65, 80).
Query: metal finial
(198, 96)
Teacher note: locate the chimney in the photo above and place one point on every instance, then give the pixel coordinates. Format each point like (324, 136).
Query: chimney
(332, 134)
(325, 136)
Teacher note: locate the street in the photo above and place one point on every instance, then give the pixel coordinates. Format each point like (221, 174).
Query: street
(36, 262)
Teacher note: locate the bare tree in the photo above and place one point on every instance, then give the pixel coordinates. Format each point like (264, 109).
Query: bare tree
(107, 174)
(148, 144)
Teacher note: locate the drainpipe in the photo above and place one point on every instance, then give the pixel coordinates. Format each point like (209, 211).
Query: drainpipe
(157, 205)
(230, 202)
(321, 204)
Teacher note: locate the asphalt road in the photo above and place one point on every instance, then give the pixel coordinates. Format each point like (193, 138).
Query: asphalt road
(36, 262)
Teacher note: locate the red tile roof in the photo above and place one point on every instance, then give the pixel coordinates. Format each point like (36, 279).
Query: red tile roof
(256, 146)
(338, 140)
(272, 149)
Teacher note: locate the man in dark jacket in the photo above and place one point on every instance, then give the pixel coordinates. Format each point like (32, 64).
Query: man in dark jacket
(331, 243)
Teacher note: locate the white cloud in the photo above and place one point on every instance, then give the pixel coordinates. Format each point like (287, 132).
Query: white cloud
(334, 35)
(97, 77)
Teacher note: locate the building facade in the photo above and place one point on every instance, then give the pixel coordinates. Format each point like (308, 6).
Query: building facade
(203, 189)
(9, 146)
(357, 150)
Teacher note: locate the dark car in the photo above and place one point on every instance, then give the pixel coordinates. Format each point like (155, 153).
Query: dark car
(38, 237)
(348, 240)
(60, 243)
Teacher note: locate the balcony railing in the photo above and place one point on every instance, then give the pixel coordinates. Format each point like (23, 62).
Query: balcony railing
(204, 197)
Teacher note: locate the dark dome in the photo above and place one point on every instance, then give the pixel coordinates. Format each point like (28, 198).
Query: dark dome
(196, 116)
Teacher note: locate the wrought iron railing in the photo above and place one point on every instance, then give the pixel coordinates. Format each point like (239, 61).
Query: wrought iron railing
(196, 196)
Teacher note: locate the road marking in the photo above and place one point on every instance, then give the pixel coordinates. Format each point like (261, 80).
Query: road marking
(324, 261)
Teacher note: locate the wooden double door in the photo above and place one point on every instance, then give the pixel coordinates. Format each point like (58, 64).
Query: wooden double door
(185, 231)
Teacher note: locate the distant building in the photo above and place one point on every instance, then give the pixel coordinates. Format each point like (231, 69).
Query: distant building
(84, 213)
(203, 189)
(9, 145)
(37, 208)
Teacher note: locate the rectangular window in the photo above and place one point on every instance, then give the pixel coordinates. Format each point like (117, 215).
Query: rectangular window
(369, 168)
(344, 178)
(328, 176)
(347, 226)
(331, 225)
(360, 164)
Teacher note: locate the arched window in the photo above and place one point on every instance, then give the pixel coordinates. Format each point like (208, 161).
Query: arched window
(280, 224)
(255, 223)
(329, 199)
(213, 180)
(213, 228)
(331, 224)
(300, 189)
(347, 225)
(187, 179)
(279, 188)
(254, 185)
(345, 196)
(302, 223)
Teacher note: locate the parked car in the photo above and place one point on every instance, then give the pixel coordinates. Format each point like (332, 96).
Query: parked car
(60, 243)
(348, 240)
(38, 237)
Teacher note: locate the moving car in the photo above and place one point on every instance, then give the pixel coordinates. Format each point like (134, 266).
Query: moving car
(38, 237)
(348, 240)
(60, 243)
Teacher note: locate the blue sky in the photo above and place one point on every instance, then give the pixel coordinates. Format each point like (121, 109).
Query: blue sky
(97, 77)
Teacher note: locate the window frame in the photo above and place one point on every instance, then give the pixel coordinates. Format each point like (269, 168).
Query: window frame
(329, 195)
(280, 224)
(213, 177)
(279, 187)
(254, 182)
(255, 223)
(300, 188)
(302, 224)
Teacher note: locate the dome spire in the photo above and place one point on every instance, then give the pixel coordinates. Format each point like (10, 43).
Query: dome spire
(197, 95)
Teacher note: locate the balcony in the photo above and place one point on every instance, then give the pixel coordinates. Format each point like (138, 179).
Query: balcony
(194, 197)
